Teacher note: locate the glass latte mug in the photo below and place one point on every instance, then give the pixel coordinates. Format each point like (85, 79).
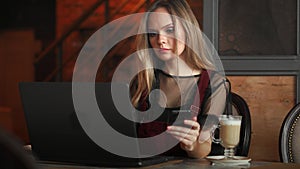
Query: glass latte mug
(229, 135)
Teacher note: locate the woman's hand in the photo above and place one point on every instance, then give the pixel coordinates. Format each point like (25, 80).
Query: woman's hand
(187, 136)
(196, 146)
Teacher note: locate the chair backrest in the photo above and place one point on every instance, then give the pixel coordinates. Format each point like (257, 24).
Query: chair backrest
(289, 141)
(239, 107)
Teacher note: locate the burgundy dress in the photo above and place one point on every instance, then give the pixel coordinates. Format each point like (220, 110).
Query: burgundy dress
(169, 115)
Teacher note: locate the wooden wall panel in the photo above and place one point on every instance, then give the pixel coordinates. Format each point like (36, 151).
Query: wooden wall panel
(269, 98)
(17, 51)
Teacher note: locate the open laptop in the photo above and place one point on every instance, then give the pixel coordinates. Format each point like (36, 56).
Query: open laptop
(56, 134)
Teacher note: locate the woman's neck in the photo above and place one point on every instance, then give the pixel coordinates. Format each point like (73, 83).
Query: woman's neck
(178, 67)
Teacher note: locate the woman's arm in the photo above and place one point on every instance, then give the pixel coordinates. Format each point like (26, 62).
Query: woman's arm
(201, 149)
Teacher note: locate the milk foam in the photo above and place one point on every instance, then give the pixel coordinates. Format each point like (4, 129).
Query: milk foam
(230, 122)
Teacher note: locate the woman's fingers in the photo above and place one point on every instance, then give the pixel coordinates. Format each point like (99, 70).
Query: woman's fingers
(194, 124)
(183, 137)
(187, 135)
(183, 131)
(187, 141)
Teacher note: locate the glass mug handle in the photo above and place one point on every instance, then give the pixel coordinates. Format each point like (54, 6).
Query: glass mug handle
(212, 133)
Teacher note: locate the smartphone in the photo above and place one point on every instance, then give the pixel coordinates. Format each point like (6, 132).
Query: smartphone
(183, 115)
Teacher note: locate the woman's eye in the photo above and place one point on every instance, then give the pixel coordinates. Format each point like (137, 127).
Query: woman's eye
(170, 30)
(152, 34)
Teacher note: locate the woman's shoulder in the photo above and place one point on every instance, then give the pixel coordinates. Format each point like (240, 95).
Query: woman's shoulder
(218, 79)
(215, 74)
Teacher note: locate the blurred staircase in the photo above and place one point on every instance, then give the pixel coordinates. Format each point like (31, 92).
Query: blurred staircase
(66, 47)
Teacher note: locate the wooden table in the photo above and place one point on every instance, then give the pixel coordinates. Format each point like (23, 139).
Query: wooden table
(186, 164)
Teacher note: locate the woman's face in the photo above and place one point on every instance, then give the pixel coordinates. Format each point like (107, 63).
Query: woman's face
(161, 32)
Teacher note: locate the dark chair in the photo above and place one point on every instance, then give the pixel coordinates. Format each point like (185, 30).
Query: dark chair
(12, 154)
(289, 143)
(238, 107)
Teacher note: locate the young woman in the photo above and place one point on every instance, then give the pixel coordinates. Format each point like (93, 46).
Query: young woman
(175, 61)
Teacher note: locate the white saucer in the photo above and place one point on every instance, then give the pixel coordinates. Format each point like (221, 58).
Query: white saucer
(237, 160)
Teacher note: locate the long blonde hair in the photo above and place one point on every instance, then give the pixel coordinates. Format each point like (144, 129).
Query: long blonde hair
(181, 9)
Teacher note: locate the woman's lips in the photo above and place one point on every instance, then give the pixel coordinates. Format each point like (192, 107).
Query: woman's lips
(164, 50)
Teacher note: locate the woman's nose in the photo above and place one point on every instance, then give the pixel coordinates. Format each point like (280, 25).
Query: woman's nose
(162, 39)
